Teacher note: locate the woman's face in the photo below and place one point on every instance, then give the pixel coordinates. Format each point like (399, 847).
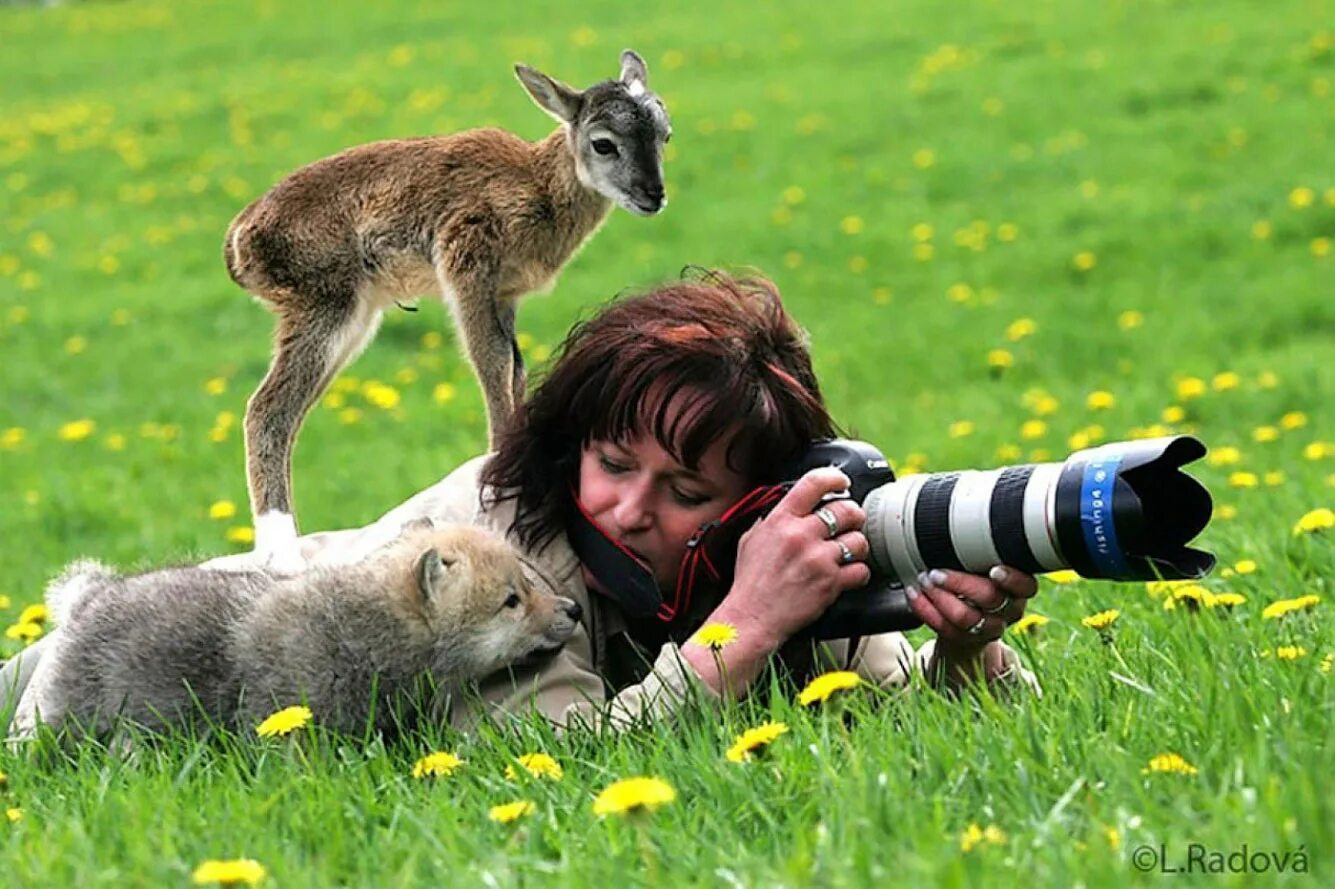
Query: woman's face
(651, 504)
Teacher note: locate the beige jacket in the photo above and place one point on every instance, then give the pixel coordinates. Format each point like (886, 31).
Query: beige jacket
(580, 685)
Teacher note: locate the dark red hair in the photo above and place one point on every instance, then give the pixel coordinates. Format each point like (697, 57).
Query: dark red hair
(724, 344)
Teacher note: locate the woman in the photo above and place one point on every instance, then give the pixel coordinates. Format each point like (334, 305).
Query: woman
(658, 414)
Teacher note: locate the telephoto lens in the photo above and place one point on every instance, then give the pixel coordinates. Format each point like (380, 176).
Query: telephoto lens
(1120, 511)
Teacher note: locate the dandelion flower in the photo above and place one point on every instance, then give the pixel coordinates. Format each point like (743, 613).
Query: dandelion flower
(284, 722)
(1290, 652)
(77, 430)
(34, 614)
(1190, 387)
(1301, 197)
(215, 386)
(509, 812)
(631, 795)
(1245, 566)
(440, 765)
(222, 509)
(1130, 319)
(922, 232)
(1293, 420)
(12, 437)
(14, 815)
(1169, 762)
(754, 739)
(1101, 621)
(1316, 520)
(1000, 359)
(851, 225)
(1317, 450)
(1227, 600)
(820, 688)
(1288, 606)
(1084, 261)
(1020, 328)
(715, 635)
(1100, 400)
(1327, 662)
(539, 765)
(1225, 456)
(235, 872)
(1173, 414)
(1066, 575)
(1262, 229)
(1223, 382)
(1242, 480)
(1032, 429)
(1028, 624)
(1265, 434)
(27, 633)
(961, 429)
(242, 534)
(974, 835)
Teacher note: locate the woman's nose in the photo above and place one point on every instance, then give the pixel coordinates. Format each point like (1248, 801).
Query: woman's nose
(634, 510)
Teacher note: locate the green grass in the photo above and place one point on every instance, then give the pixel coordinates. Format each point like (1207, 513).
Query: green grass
(1162, 138)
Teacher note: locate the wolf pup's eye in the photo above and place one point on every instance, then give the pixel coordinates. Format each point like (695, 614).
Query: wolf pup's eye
(604, 147)
(512, 601)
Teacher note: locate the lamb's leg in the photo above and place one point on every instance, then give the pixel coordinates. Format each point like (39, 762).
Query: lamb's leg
(311, 347)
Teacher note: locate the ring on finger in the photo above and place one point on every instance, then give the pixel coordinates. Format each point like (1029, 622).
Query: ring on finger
(1005, 603)
(831, 523)
(846, 556)
(978, 627)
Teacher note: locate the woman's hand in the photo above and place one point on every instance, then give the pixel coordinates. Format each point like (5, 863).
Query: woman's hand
(969, 613)
(791, 566)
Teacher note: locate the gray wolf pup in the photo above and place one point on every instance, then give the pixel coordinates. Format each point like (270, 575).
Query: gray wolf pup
(359, 644)
(479, 218)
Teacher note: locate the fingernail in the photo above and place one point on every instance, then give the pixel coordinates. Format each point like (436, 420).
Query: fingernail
(999, 574)
(911, 591)
(937, 577)
(924, 579)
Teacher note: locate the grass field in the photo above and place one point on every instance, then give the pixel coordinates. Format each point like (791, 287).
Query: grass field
(1011, 229)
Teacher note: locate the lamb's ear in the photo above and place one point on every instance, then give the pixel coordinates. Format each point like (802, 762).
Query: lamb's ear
(560, 101)
(633, 69)
(431, 572)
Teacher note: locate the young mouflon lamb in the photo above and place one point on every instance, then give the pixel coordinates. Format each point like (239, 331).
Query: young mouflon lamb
(481, 217)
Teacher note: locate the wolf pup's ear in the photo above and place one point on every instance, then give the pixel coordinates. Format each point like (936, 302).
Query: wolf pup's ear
(431, 571)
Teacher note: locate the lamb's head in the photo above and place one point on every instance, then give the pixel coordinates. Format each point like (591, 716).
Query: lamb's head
(484, 611)
(617, 130)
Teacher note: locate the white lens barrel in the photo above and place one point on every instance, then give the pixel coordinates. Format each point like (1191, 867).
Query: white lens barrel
(971, 520)
(1040, 516)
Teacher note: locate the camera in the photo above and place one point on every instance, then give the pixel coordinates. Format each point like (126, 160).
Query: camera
(1120, 511)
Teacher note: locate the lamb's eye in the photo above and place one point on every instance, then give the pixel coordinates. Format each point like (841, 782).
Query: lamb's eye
(512, 601)
(605, 147)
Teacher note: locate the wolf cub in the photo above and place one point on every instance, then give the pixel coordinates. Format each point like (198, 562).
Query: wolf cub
(360, 644)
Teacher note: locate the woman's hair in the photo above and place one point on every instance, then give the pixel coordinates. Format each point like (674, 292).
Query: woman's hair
(724, 345)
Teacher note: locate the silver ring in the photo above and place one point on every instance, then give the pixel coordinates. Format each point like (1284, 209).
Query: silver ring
(845, 554)
(831, 523)
(1005, 603)
(978, 627)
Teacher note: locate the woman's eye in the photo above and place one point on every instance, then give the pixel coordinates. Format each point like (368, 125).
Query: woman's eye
(610, 467)
(604, 147)
(689, 499)
(512, 601)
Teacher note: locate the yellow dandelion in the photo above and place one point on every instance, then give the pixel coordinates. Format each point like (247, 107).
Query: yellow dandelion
(923, 252)
(1227, 600)
(1273, 478)
(1020, 328)
(350, 416)
(242, 534)
(75, 345)
(851, 225)
(1100, 400)
(1245, 566)
(382, 396)
(1316, 520)
(1032, 429)
(1190, 387)
(1084, 261)
(14, 815)
(820, 688)
(1000, 359)
(509, 812)
(1317, 450)
(12, 437)
(1130, 319)
(25, 632)
(1007, 232)
(924, 158)
(215, 385)
(34, 614)
(1101, 621)
(715, 635)
(1293, 420)
(1327, 662)
(4, 602)
(753, 740)
(1170, 763)
(1302, 197)
(1321, 246)
(1066, 575)
(234, 872)
(1225, 456)
(1262, 229)
(922, 232)
(439, 765)
(432, 339)
(284, 722)
(961, 429)
(1225, 381)
(1288, 606)
(222, 509)
(1225, 511)
(631, 795)
(794, 195)
(1029, 624)
(1290, 652)
(1264, 434)
(974, 836)
(77, 430)
(539, 765)
(1242, 480)
(443, 393)
(959, 293)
